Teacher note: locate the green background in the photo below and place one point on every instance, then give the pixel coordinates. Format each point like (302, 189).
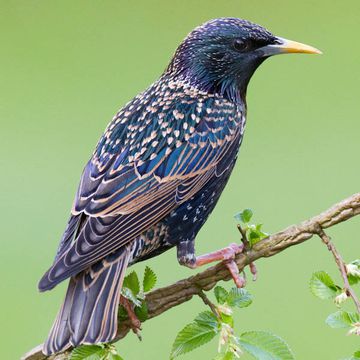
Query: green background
(65, 69)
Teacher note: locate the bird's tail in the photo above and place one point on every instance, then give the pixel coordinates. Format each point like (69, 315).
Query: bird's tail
(89, 312)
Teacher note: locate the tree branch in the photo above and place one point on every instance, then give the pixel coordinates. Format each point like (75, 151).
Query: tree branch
(163, 299)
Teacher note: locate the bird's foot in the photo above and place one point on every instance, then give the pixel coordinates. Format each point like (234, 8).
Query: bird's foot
(227, 255)
(230, 253)
(135, 323)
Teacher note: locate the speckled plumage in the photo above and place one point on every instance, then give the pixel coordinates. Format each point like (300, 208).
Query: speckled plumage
(155, 176)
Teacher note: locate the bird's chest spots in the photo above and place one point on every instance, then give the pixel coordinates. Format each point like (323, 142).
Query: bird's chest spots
(185, 221)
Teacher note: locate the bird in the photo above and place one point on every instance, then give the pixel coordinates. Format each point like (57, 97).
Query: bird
(156, 174)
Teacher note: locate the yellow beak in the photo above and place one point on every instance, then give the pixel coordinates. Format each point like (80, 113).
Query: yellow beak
(288, 47)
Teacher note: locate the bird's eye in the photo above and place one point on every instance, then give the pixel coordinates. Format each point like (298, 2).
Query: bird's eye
(240, 45)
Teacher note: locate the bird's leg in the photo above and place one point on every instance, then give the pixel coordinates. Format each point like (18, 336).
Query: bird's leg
(186, 256)
(135, 323)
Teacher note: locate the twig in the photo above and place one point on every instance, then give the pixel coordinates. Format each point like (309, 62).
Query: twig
(341, 265)
(163, 299)
(247, 246)
(207, 302)
(244, 238)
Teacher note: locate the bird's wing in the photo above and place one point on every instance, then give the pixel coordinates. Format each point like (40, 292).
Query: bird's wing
(149, 161)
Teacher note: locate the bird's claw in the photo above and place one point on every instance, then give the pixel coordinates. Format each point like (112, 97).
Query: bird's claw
(253, 270)
(232, 250)
(230, 253)
(234, 271)
(227, 255)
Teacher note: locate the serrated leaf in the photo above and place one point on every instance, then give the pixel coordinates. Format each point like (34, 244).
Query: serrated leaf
(244, 216)
(239, 298)
(126, 292)
(191, 337)
(220, 294)
(131, 282)
(141, 311)
(88, 352)
(149, 280)
(207, 318)
(323, 286)
(265, 346)
(342, 319)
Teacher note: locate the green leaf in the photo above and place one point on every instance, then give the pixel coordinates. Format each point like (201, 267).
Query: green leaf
(244, 216)
(142, 311)
(354, 277)
(355, 356)
(353, 280)
(191, 337)
(255, 234)
(207, 318)
(239, 298)
(149, 280)
(116, 357)
(227, 356)
(131, 282)
(342, 319)
(126, 292)
(227, 319)
(221, 294)
(261, 233)
(323, 286)
(88, 352)
(265, 346)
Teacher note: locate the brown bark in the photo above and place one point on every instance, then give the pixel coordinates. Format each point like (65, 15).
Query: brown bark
(163, 299)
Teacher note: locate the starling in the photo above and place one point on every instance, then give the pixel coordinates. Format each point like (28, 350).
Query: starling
(156, 174)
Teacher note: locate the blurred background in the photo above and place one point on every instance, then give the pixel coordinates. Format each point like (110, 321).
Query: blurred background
(67, 66)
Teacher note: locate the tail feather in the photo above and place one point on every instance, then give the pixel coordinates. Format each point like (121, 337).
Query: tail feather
(89, 312)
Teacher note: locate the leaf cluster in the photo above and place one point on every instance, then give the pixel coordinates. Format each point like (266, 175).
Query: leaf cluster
(207, 325)
(253, 232)
(95, 352)
(324, 287)
(133, 291)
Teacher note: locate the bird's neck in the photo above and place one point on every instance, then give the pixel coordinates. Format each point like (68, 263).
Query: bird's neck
(229, 88)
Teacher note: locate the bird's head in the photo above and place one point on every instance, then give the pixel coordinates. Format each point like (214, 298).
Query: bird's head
(221, 55)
